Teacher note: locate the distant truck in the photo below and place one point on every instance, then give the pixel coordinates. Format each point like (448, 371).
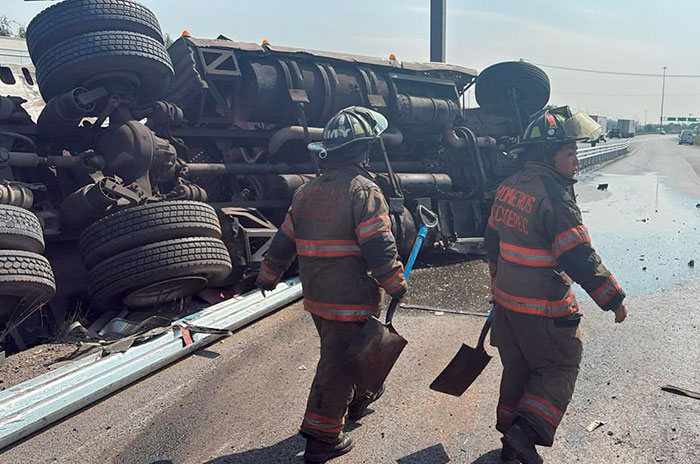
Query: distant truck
(603, 121)
(626, 127)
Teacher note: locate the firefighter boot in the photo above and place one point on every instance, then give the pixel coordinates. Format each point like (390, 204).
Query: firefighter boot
(508, 453)
(357, 408)
(521, 440)
(321, 451)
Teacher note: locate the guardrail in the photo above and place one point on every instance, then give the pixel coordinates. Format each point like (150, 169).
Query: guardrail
(595, 155)
(36, 403)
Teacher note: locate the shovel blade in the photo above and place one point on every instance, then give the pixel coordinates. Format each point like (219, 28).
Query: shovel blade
(373, 353)
(461, 372)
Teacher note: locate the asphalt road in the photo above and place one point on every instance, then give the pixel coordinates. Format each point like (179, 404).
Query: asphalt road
(242, 399)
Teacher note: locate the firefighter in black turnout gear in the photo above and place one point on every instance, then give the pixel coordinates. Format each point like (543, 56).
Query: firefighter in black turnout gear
(537, 247)
(339, 227)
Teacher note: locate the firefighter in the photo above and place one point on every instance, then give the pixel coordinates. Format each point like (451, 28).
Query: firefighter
(339, 226)
(537, 247)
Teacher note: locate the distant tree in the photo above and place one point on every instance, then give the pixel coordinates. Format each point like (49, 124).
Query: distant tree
(168, 40)
(7, 30)
(5, 26)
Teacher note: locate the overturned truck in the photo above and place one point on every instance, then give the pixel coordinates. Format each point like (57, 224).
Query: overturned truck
(150, 174)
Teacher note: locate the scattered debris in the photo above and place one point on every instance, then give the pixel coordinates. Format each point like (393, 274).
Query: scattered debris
(691, 263)
(643, 220)
(26, 365)
(681, 391)
(301, 368)
(697, 205)
(602, 186)
(440, 311)
(594, 425)
(645, 268)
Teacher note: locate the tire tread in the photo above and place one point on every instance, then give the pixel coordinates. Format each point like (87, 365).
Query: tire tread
(69, 18)
(142, 225)
(149, 264)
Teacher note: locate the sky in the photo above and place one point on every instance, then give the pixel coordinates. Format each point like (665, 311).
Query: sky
(621, 36)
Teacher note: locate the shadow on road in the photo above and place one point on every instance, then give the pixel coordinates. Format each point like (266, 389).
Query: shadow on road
(284, 451)
(435, 454)
(492, 457)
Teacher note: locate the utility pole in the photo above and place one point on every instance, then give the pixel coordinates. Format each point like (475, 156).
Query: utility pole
(438, 24)
(663, 90)
(645, 117)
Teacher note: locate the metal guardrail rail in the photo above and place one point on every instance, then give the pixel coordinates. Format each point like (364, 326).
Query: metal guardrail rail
(36, 403)
(595, 155)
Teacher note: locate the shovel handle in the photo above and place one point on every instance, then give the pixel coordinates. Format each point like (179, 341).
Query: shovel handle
(429, 220)
(422, 232)
(484, 331)
(391, 310)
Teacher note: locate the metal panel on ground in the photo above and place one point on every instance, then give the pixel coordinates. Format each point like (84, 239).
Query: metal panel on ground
(36, 403)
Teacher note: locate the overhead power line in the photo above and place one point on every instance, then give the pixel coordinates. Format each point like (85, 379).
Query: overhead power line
(617, 73)
(627, 95)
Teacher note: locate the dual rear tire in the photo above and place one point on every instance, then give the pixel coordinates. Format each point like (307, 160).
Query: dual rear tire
(154, 253)
(26, 278)
(82, 43)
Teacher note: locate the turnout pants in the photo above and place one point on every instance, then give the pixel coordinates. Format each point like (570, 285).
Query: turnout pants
(541, 358)
(332, 390)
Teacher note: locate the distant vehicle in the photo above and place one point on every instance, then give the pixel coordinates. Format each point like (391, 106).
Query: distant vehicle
(662, 132)
(602, 120)
(626, 127)
(614, 134)
(600, 139)
(686, 136)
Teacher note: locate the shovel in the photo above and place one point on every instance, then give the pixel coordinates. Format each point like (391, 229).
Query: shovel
(375, 349)
(465, 367)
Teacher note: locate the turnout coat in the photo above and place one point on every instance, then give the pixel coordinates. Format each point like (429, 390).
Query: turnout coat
(538, 246)
(339, 227)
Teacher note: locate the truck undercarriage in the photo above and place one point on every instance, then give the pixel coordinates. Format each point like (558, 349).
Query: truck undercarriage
(151, 174)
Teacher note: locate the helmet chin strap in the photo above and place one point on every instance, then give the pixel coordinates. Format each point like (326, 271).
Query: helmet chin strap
(365, 162)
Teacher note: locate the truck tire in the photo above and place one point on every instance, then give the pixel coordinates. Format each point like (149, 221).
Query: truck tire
(159, 272)
(75, 61)
(146, 224)
(529, 81)
(20, 229)
(72, 17)
(26, 282)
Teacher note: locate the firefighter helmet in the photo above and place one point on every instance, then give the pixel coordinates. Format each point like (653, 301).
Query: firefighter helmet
(558, 125)
(348, 126)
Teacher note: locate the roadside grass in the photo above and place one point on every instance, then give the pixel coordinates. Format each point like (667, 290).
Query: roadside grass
(57, 331)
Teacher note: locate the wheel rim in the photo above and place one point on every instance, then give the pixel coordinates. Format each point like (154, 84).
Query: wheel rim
(166, 290)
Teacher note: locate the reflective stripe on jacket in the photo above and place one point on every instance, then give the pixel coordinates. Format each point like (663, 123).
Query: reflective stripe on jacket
(339, 227)
(536, 236)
